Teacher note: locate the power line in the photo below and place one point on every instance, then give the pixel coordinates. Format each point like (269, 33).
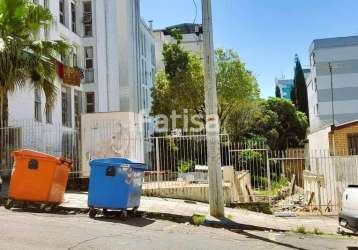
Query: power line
(196, 11)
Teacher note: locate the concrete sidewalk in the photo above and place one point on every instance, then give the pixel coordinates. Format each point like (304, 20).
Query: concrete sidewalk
(238, 218)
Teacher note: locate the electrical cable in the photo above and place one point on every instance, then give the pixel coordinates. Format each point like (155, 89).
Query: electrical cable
(196, 11)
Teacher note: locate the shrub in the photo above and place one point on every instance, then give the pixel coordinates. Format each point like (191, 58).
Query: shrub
(185, 166)
(198, 219)
(300, 230)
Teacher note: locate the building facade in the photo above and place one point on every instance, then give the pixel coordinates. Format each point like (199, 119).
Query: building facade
(285, 86)
(192, 40)
(107, 42)
(340, 140)
(333, 83)
(147, 72)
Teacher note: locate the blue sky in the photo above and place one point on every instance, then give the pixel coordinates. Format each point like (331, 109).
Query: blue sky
(266, 33)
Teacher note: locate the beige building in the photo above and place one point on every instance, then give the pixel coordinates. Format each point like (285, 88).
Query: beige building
(192, 40)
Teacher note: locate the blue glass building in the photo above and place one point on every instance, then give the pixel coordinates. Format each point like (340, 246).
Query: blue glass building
(285, 86)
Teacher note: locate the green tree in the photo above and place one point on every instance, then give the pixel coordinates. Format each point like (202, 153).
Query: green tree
(181, 85)
(278, 92)
(274, 121)
(282, 124)
(300, 88)
(22, 55)
(237, 87)
(293, 95)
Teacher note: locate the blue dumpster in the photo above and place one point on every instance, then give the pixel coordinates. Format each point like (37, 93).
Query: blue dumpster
(115, 184)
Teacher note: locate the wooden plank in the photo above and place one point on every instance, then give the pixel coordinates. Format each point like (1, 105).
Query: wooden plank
(292, 185)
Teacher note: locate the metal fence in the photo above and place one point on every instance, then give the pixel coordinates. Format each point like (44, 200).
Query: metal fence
(293, 179)
(326, 178)
(172, 157)
(53, 139)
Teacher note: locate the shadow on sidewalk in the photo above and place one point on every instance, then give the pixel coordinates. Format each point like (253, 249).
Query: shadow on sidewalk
(242, 229)
(132, 221)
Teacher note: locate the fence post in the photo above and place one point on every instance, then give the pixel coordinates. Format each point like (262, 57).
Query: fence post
(319, 187)
(268, 170)
(307, 157)
(157, 158)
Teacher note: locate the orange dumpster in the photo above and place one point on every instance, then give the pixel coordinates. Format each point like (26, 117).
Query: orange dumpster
(38, 177)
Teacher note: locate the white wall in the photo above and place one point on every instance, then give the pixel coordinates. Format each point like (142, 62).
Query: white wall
(319, 140)
(312, 95)
(159, 43)
(190, 42)
(336, 54)
(117, 134)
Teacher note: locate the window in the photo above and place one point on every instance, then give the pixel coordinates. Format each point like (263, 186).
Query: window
(313, 59)
(49, 116)
(315, 84)
(89, 73)
(62, 12)
(353, 144)
(90, 102)
(74, 62)
(78, 108)
(38, 105)
(73, 17)
(66, 107)
(87, 19)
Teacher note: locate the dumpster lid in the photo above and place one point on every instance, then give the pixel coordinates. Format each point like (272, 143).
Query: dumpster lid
(36, 154)
(116, 162)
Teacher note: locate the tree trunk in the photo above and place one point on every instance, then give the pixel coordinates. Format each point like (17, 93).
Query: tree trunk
(4, 106)
(3, 131)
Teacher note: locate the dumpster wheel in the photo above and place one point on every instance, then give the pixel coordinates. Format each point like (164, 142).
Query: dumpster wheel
(9, 204)
(134, 212)
(92, 213)
(124, 215)
(105, 212)
(49, 208)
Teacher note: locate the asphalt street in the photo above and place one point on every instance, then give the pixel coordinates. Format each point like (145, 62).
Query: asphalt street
(29, 230)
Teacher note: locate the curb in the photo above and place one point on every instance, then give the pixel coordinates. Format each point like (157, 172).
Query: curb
(211, 222)
(151, 215)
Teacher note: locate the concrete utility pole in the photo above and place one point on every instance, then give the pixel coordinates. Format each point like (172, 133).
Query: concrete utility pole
(216, 196)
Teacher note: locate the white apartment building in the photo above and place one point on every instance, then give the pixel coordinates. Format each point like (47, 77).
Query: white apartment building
(112, 45)
(192, 40)
(147, 72)
(342, 54)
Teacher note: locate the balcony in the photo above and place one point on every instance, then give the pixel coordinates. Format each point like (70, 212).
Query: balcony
(70, 75)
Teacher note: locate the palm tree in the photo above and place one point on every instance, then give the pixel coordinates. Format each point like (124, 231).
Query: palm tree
(24, 58)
